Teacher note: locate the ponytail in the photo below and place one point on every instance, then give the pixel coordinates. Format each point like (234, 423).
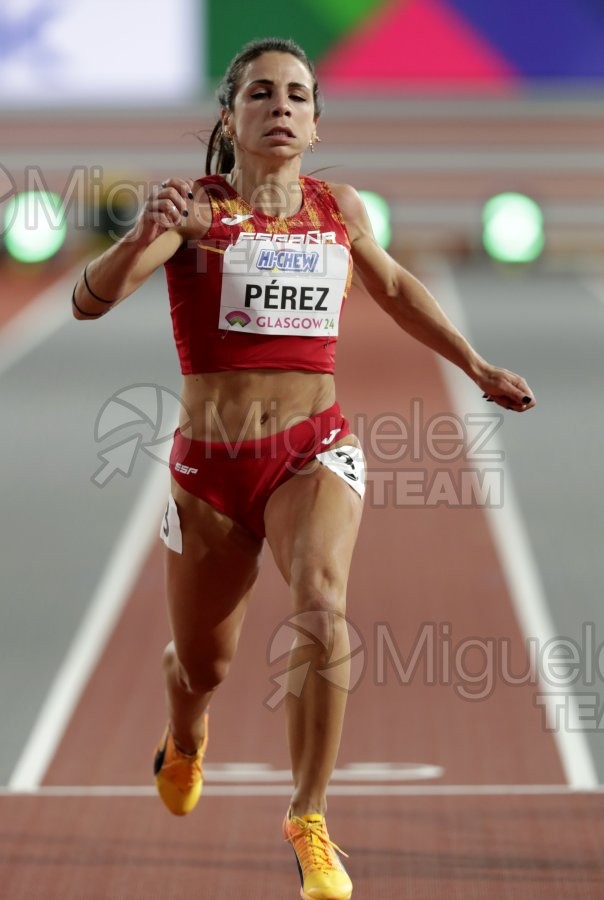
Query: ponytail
(222, 149)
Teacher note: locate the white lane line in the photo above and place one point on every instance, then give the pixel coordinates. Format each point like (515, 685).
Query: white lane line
(513, 546)
(354, 772)
(93, 633)
(37, 321)
(336, 790)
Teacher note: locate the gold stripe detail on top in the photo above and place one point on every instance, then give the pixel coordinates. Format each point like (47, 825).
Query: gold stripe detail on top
(311, 211)
(230, 207)
(213, 249)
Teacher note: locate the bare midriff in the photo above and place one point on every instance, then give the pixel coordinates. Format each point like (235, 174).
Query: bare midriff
(251, 403)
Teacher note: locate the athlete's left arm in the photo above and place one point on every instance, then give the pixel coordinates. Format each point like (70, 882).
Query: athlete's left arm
(415, 310)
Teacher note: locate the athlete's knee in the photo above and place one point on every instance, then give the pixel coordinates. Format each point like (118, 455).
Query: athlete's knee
(320, 602)
(201, 677)
(196, 673)
(319, 589)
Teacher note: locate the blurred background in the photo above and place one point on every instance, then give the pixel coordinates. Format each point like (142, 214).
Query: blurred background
(475, 129)
(436, 104)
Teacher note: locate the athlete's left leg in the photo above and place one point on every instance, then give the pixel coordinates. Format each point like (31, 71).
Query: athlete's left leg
(312, 523)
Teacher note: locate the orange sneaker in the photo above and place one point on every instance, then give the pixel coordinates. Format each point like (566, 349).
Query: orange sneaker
(178, 775)
(321, 871)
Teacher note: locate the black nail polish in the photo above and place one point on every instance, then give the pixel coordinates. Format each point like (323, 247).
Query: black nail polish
(526, 399)
(185, 212)
(190, 195)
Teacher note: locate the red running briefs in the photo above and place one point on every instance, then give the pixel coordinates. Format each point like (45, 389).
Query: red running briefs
(237, 479)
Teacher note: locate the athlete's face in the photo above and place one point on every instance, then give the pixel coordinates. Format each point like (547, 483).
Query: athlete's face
(273, 110)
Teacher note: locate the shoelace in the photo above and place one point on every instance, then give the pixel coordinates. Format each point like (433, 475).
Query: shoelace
(185, 770)
(315, 850)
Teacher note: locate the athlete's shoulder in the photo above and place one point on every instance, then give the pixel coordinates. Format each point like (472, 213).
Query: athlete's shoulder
(343, 196)
(349, 203)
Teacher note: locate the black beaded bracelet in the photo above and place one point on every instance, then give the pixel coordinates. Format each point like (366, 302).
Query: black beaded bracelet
(82, 311)
(91, 292)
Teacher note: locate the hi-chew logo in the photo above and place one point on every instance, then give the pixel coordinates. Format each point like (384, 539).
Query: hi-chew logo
(287, 260)
(238, 317)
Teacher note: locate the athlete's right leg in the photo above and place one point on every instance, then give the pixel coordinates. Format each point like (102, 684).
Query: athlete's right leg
(208, 586)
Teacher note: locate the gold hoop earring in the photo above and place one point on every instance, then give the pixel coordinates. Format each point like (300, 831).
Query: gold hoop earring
(314, 139)
(227, 135)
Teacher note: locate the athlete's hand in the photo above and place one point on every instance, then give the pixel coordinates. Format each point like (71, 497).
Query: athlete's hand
(506, 389)
(165, 208)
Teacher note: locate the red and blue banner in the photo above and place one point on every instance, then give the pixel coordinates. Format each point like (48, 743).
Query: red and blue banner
(424, 43)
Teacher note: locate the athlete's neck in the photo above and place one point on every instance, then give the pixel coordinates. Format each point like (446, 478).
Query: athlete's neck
(275, 192)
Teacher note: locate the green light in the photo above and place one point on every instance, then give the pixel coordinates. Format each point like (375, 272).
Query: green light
(378, 211)
(34, 226)
(512, 228)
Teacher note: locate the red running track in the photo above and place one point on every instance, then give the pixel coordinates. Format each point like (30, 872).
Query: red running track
(416, 567)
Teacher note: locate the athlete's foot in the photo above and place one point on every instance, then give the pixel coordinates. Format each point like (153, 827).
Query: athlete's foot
(322, 874)
(178, 775)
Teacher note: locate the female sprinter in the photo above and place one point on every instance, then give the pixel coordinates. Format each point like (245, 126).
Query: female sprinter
(258, 262)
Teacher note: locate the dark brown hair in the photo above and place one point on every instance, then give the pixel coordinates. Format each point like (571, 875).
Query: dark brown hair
(220, 150)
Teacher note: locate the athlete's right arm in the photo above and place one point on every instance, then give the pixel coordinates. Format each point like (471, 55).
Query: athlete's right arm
(172, 214)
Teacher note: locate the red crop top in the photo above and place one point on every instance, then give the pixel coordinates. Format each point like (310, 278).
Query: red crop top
(258, 291)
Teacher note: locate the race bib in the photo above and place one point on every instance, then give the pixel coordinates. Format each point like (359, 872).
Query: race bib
(170, 532)
(283, 288)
